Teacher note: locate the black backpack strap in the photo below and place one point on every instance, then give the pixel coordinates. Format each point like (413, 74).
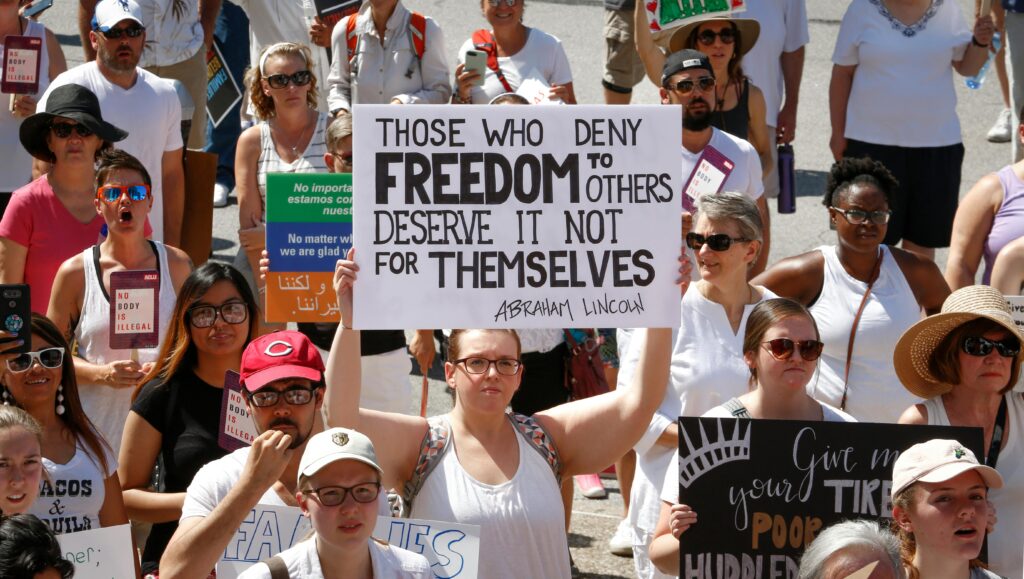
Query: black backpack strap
(278, 568)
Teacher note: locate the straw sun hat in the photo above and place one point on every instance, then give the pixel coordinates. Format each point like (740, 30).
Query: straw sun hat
(748, 28)
(916, 345)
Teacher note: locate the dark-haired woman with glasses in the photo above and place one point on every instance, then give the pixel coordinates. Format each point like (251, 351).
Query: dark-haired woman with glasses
(175, 419)
(781, 347)
(833, 281)
(80, 302)
(288, 139)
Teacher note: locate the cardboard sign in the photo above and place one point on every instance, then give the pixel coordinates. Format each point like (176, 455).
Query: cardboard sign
(331, 11)
(134, 309)
(265, 532)
(707, 178)
(21, 64)
(766, 488)
(237, 429)
(517, 217)
(452, 549)
(100, 553)
(1016, 304)
(664, 16)
(222, 92)
(309, 228)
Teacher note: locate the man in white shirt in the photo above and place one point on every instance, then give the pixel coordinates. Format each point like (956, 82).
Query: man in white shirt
(688, 80)
(282, 378)
(178, 32)
(144, 104)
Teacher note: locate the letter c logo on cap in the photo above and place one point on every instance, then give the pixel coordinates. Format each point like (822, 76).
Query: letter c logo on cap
(283, 349)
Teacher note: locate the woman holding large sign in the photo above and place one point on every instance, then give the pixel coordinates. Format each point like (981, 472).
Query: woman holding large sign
(81, 301)
(862, 293)
(965, 362)
(506, 472)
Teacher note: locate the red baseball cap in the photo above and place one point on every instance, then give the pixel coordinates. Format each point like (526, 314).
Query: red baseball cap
(280, 355)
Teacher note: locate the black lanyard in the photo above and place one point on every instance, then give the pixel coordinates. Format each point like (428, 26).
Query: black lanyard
(997, 435)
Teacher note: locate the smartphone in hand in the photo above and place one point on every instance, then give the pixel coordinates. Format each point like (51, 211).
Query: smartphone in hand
(16, 314)
(37, 8)
(476, 60)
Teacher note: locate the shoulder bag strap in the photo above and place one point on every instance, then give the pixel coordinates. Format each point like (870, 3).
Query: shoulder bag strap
(997, 435)
(856, 320)
(278, 568)
(483, 40)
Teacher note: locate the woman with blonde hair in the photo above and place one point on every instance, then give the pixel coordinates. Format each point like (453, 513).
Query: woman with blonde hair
(21, 460)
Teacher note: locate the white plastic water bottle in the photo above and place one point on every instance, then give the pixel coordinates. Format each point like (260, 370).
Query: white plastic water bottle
(977, 80)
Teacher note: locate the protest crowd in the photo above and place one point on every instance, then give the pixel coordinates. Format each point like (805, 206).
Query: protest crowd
(154, 404)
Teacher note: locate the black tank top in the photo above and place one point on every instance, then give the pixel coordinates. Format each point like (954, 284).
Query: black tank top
(736, 120)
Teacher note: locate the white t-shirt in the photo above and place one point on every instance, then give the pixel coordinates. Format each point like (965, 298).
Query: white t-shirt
(173, 31)
(902, 92)
(213, 482)
(783, 29)
(151, 113)
(541, 58)
(70, 501)
(389, 562)
(746, 174)
(670, 486)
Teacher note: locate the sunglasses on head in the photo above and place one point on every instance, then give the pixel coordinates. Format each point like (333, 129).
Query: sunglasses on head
(707, 37)
(978, 346)
(686, 86)
(130, 32)
(113, 193)
(859, 216)
(63, 130)
(300, 78)
(783, 348)
(716, 242)
(48, 358)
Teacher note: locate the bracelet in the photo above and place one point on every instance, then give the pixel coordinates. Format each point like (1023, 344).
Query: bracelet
(463, 100)
(975, 42)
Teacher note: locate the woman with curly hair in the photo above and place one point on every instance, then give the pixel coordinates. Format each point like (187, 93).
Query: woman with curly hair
(862, 293)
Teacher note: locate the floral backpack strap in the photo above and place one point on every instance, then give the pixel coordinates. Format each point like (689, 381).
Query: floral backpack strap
(435, 443)
(539, 439)
(736, 408)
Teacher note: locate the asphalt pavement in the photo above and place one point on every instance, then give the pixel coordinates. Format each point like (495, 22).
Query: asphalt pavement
(578, 23)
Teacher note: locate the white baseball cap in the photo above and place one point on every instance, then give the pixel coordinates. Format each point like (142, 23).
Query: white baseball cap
(110, 12)
(938, 461)
(334, 445)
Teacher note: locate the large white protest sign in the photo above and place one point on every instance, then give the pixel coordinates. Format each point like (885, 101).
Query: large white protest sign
(452, 549)
(267, 531)
(517, 216)
(104, 553)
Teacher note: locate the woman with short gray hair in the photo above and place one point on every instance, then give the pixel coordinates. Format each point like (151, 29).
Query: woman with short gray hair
(850, 546)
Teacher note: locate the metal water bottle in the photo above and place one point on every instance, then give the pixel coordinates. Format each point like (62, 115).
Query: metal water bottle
(787, 180)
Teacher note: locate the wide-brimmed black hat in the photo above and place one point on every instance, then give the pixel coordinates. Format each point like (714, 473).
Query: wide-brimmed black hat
(70, 101)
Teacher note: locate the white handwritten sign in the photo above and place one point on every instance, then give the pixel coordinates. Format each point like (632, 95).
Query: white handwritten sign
(452, 549)
(100, 553)
(517, 216)
(267, 531)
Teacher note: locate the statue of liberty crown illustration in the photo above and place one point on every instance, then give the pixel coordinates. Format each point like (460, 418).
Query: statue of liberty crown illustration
(711, 454)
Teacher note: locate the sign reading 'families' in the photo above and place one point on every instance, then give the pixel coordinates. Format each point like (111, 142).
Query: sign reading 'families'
(100, 553)
(309, 227)
(517, 216)
(768, 487)
(134, 308)
(237, 429)
(265, 532)
(452, 549)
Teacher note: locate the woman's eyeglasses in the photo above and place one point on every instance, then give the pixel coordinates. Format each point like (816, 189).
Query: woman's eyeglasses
(335, 495)
(48, 358)
(859, 216)
(978, 346)
(63, 130)
(707, 37)
(496, 3)
(114, 193)
(716, 242)
(686, 86)
(783, 348)
(300, 78)
(505, 366)
(205, 316)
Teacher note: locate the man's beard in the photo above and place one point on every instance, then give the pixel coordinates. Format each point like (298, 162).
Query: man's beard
(696, 121)
(300, 438)
(111, 61)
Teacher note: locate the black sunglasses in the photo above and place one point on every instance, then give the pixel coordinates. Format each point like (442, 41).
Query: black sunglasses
(859, 216)
(300, 78)
(63, 130)
(978, 346)
(685, 86)
(783, 348)
(707, 37)
(716, 242)
(117, 33)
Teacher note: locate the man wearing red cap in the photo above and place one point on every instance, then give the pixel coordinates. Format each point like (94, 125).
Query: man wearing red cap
(282, 377)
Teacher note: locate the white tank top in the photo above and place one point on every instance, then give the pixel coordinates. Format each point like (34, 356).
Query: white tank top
(1006, 544)
(874, 393)
(522, 522)
(107, 406)
(311, 160)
